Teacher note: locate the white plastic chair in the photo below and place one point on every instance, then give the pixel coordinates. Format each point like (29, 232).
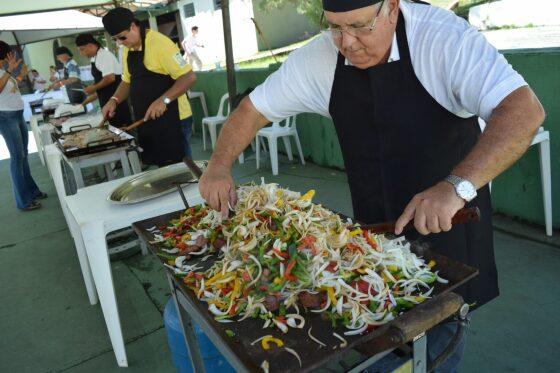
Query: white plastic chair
(213, 122)
(272, 134)
(542, 138)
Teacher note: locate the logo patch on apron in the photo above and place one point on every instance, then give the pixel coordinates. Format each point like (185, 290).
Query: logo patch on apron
(179, 59)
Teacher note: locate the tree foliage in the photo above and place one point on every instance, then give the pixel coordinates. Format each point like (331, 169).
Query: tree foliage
(312, 9)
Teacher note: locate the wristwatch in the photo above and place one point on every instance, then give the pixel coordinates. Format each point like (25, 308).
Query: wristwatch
(166, 100)
(464, 188)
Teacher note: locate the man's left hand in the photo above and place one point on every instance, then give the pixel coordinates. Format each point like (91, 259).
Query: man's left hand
(156, 109)
(431, 209)
(89, 90)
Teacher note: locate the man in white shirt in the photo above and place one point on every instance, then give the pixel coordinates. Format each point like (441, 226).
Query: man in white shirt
(189, 46)
(106, 71)
(404, 83)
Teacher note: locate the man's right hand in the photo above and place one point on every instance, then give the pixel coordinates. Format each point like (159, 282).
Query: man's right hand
(109, 109)
(217, 188)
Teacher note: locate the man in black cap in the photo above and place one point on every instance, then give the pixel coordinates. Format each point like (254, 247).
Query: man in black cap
(106, 71)
(156, 77)
(71, 78)
(404, 84)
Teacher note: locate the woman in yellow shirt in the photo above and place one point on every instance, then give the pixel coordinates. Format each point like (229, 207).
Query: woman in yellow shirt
(156, 77)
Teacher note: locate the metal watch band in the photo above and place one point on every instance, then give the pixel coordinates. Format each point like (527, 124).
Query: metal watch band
(453, 179)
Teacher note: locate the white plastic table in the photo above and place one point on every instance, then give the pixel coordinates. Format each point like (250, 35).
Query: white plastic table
(91, 218)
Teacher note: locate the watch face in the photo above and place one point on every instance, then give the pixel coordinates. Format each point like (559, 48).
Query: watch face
(466, 190)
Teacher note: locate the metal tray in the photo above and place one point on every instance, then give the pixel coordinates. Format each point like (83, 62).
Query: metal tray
(124, 139)
(154, 183)
(313, 357)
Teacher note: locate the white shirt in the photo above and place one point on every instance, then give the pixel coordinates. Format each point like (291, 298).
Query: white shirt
(452, 60)
(190, 44)
(10, 97)
(106, 62)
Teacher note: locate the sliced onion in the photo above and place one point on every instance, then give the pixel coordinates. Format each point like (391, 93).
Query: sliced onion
(281, 326)
(291, 321)
(260, 270)
(344, 343)
(357, 331)
(171, 251)
(212, 308)
(259, 339)
(264, 366)
(315, 339)
(293, 352)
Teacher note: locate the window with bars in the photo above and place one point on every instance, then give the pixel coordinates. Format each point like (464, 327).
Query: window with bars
(217, 4)
(188, 10)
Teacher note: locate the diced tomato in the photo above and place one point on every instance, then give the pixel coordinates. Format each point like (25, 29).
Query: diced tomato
(287, 275)
(263, 287)
(280, 253)
(247, 291)
(226, 290)
(181, 246)
(233, 310)
(282, 319)
(307, 242)
(246, 276)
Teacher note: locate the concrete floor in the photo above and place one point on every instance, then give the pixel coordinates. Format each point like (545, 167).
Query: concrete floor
(47, 324)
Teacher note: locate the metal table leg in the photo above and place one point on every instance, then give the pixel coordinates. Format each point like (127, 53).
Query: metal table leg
(188, 331)
(419, 354)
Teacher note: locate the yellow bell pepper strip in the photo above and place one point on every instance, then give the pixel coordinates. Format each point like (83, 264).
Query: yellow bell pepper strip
(356, 232)
(307, 196)
(432, 264)
(330, 293)
(214, 278)
(265, 342)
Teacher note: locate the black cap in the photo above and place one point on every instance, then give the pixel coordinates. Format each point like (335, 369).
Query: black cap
(117, 20)
(346, 5)
(85, 39)
(63, 50)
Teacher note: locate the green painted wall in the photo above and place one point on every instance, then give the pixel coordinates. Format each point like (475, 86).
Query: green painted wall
(517, 192)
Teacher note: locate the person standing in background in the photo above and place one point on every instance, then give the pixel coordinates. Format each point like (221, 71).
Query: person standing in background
(71, 78)
(14, 131)
(189, 46)
(106, 71)
(38, 81)
(156, 77)
(54, 74)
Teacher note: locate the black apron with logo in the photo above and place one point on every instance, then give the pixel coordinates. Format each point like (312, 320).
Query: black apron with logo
(122, 113)
(74, 96)
(398, 141)
(161, 139)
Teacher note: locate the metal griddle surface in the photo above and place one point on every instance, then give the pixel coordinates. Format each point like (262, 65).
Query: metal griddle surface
(313, 357)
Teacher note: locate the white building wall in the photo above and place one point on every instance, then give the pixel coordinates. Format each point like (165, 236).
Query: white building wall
(210, 30)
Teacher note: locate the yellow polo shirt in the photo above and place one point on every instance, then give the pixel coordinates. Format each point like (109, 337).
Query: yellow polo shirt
(163, 57)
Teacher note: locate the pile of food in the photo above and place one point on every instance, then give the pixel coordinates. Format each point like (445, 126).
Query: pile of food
(279, 255)
(82, 138)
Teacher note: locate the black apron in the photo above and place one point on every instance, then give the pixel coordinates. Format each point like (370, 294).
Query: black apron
(122, 113)
(161, 139)
(397, 141)
(75, 97)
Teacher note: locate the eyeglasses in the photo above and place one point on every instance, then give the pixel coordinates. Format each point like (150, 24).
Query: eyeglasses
(356, 32)
(122, 37)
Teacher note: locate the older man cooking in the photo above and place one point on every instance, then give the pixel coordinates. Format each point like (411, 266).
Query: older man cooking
(404, 83)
